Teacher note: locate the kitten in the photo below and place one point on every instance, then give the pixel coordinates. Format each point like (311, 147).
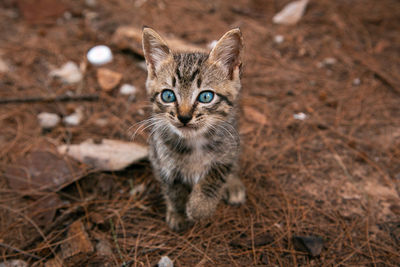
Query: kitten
(194, 145)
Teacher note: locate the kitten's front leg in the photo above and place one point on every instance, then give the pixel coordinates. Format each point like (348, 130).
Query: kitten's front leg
(207, 193)
(176, 195)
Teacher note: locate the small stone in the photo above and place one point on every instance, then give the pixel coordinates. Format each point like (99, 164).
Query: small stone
(69, 73)
(278, 39)
(356, 82)
(138, 189)
(300, 116)
(108, 79)
(91, 3)
(291, 13)
(329, 61)
(99, 55)
(310, 244)
(3, 66)
(103, 248)
(165, 261)
(75, 118)
(48, 120)
(127, 89)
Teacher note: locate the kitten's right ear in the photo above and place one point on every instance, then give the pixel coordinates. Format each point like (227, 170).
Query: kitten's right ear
(155, 50)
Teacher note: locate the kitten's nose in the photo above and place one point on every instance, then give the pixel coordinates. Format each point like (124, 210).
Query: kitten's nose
(185, 118)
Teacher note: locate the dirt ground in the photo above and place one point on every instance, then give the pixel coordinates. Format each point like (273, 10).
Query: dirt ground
(335, 174)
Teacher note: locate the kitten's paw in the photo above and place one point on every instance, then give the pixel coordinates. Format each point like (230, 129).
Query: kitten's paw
(177, 222)
(235, 192)
(200, 207)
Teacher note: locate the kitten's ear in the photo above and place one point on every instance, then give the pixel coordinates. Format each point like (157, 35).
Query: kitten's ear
(226, 52)
(155, 50)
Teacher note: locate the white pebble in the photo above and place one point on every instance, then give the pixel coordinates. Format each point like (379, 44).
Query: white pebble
(48, 120)
(99, 55)
(74, 119)
(278, 39)
(69, 73)
(165, 262)
(127, 89)
(356, 82)
(300, 116)
(330, 61)
(212, 44)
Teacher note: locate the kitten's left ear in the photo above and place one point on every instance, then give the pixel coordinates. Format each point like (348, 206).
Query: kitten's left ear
(155, 50)
(226, 52)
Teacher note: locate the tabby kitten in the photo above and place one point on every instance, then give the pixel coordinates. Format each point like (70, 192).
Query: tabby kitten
(194, 145)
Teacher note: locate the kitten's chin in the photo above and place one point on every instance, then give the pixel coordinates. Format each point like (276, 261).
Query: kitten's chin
(186, 131)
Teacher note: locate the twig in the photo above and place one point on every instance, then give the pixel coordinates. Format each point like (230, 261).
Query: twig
(20, 251)
(60, 98)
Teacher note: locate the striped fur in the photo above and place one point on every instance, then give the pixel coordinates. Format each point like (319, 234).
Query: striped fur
(196, 162)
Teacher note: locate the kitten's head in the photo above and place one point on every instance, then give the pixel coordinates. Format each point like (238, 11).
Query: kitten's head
(193, 93)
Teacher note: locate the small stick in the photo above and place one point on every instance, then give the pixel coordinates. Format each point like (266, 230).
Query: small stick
(20, 251)
(60, 98)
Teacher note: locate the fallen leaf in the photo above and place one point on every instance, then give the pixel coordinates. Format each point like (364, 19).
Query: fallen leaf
(108, 79)
(68, 73)
(44, 209)
(103, 248)
(42, 170)
(254, 115)
(77, 243)
(311, 244)
(291, 13)
(109, 155)
(53, 263)
(129, 37)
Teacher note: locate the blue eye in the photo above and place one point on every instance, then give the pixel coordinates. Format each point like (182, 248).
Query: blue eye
(206, 97)
(168, 96)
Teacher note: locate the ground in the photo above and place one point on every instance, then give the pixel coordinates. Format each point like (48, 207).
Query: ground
(335, 174)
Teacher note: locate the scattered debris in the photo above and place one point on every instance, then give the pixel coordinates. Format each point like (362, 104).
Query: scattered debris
(329, 61)
(48, 120)
(258, 241)
(3, 66)
(130, 38)
(75, 118)
(128, 89)
(254, 115)
(103, 248)
(41, 11)
(13, 263)
(278, 39)
(68, 73)
(99, 55)
(91, 3)
(108, 79)
(77, 243)
(108, 155)
(54, 262)
(300, 116)
(138, 189)
(356, 82)
(165, 261)
(41, 170)
(291, 13)
(310, 244)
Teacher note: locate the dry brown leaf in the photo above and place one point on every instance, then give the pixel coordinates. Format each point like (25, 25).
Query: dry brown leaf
(77, 243)
(108, 79)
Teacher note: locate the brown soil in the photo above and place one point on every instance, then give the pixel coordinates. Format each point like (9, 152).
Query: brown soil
(335, 174)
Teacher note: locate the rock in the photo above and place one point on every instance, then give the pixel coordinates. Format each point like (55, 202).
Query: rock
(278, 39)
(77, 244)
(300, 116)
(103, 248)
(138, 189)
(68, 73)
(48, 120)
(75, 118)
(291, 13)
(310, 244)
(13, 263)
(108, 79)
(356, 82)
(165, 261)
(127, 89)
(329, 61)
(99, 55)
(108, 155)
(41, 170)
